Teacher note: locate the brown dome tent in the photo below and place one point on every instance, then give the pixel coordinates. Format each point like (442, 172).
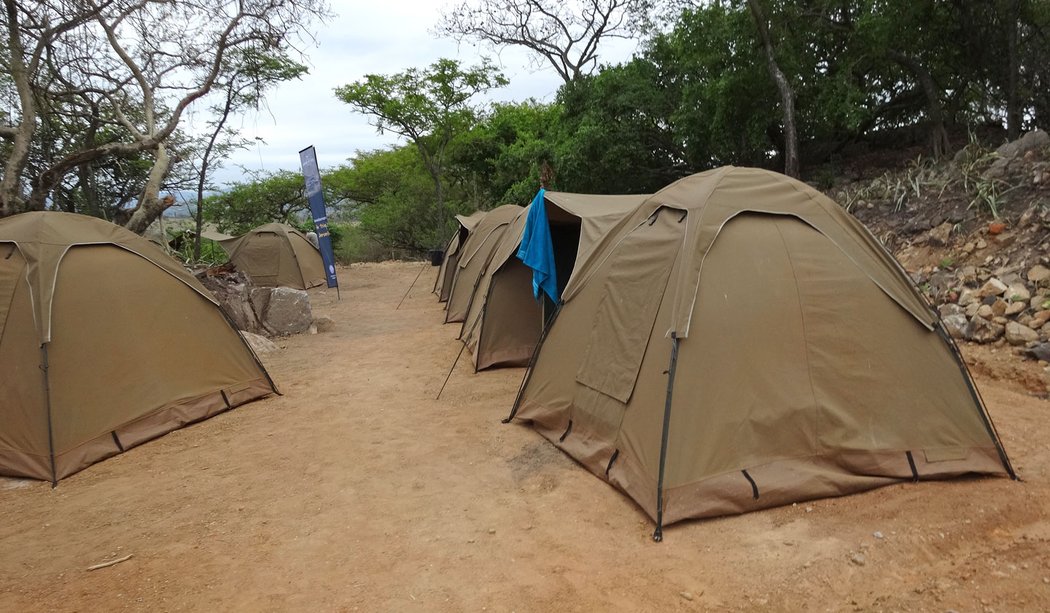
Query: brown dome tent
(453, 251)
(275, 254)
(739, 342)
(504, 320)
(105, 342)
(476, 251)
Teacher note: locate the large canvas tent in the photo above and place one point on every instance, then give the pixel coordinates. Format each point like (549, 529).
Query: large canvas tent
(105, 342)
(449, 264)
(476, 251)
(504, 320)
(276, 254)
(738, 342)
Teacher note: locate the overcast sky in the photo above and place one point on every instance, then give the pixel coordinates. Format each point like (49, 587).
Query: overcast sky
(371, 37)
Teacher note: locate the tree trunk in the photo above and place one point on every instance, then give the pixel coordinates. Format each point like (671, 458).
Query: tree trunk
(11, 195)
(152, 205)
(1013, 104)
(787, 94)
(939, 144)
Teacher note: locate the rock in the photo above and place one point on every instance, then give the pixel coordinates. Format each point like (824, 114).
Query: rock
(1039, 303)
(1039, 352)
(999, 307)
(1015, 307)
(967, 297)
(968, 274)
(992, 287)
(286, 311)
(955, 325)
(324, 324)
(686, 595)
(1036, 139)
(232, 290)
(939, 236)
(985, 311)
(858, 558)
(1017, 292)
(1016, 334)
(259, 344)
(982, 244)
(1039, 319)
(878, 535)
(1038, 274)
(972, 308)
(980, 330)
(950, 309)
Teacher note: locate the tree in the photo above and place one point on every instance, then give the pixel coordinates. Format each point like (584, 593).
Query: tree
(246, 77)
(564, 34)
(787, 93)
(428, 107)
(265, 197)
(141, 62)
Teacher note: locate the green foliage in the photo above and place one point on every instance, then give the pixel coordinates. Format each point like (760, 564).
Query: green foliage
(278, 196)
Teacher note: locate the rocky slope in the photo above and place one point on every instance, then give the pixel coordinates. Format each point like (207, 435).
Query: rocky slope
(974, 234)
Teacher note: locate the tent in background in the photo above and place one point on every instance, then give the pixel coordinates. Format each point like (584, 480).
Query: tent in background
(276, 254)
(739, 341)
(504, 320)
(447, 271)
(105, 343)
(475, 254)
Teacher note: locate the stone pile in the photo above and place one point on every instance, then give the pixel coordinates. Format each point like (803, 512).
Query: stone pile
(270, 311)
(981, 307)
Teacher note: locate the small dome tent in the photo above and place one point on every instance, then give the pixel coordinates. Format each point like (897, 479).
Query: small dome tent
(276, 254)
(105, 343)
(453, 251)
(739, 341)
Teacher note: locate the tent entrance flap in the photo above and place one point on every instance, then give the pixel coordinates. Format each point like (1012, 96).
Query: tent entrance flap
(638, 272)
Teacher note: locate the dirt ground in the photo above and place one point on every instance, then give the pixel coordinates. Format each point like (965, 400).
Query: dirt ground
(358, 491)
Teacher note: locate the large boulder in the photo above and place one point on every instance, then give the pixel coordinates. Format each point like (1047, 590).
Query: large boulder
(282, 310)
(1016, 334)
(1036, 139)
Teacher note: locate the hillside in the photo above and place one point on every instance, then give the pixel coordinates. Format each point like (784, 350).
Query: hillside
(974, 234)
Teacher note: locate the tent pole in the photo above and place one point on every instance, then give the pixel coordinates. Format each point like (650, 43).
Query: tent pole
(449, 375)
(658, 535)
(50, 430)
(977, 399)
(409, 287)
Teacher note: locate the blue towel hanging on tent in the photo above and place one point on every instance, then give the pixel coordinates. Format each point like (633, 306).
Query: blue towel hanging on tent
(537, 249)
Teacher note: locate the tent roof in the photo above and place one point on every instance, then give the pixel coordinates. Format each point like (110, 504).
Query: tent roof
(711, 199)
(44, 237)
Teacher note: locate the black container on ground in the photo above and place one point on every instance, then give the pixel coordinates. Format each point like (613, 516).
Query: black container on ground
(437, 256)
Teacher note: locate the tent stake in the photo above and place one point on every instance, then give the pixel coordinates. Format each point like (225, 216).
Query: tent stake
(411, 286)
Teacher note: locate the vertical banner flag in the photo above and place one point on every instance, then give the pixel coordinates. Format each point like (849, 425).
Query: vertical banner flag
(312, 176)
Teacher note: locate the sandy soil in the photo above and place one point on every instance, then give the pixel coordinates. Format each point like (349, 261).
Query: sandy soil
(357, 491)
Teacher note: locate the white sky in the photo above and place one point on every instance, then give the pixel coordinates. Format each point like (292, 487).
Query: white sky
(371, 37)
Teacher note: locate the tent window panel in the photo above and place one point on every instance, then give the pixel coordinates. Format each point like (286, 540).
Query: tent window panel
(637, 275)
